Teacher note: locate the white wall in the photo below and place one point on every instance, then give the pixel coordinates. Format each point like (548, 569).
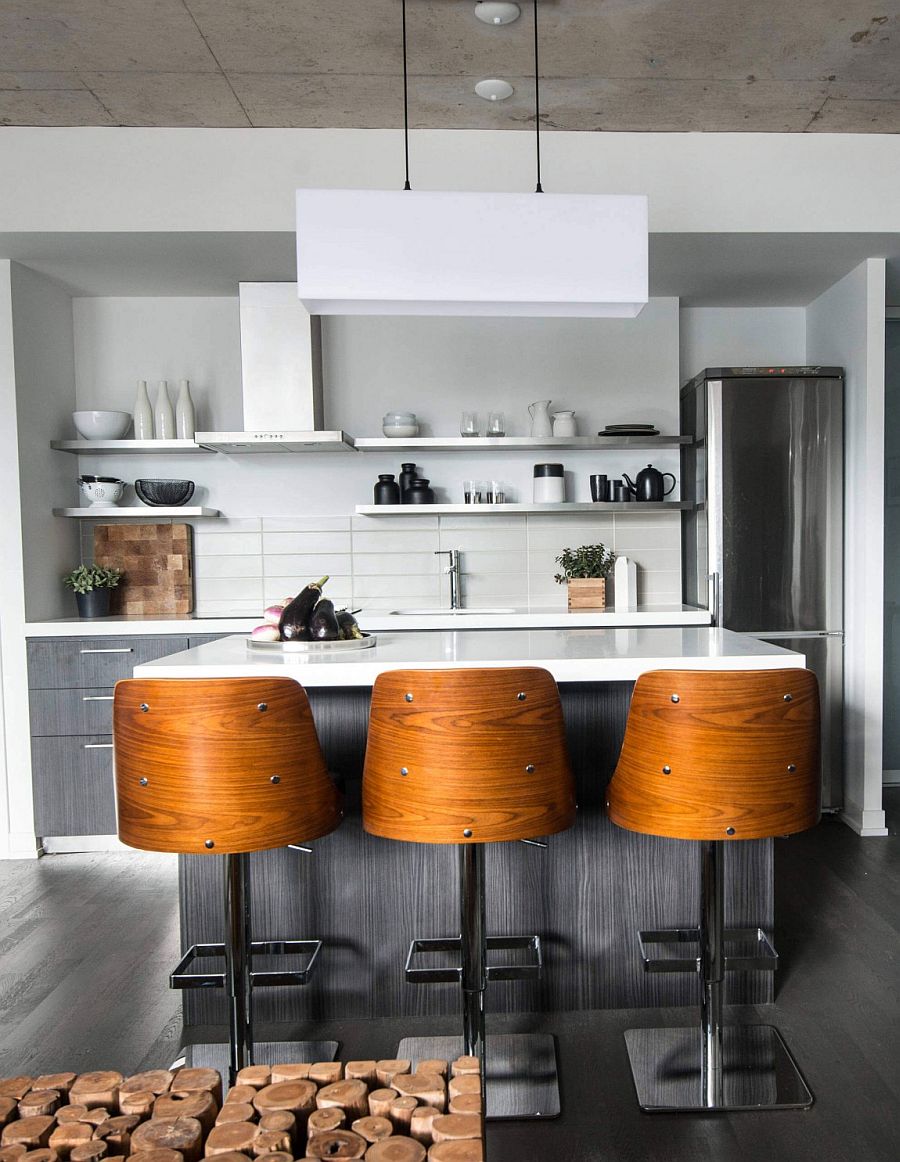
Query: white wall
(892, 552)
(740, 337)
(845, 326)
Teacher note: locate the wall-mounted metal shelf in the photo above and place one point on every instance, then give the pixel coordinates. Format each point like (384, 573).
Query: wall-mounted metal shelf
(634, 507)
(129, 447)
(242, 443)
(132, 512)
(517, 443)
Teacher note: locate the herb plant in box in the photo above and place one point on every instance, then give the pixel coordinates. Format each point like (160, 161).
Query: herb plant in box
(91, 585)
(584, 572)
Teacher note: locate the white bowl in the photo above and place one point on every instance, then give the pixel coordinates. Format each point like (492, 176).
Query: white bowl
(103, 492)
(101, 425)
(399, 431)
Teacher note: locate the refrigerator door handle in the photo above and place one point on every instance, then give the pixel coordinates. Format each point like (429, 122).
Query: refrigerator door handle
(713, 579)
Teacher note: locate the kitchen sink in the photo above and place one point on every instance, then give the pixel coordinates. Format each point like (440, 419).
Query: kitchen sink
(470, 612)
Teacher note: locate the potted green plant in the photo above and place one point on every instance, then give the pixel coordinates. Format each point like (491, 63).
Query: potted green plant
(91, 585)
(584, 572)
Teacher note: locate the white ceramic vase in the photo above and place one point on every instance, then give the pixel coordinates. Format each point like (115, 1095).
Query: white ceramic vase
(185, 420)
(163, 415)
(143, 413)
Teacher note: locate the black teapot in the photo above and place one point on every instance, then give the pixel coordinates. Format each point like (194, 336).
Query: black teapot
(650, 484)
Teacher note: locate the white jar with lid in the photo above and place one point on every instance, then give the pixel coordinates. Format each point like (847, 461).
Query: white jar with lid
(549, 484)
(400, 425)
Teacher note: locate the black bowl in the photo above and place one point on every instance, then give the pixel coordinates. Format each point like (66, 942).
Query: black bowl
(164, 493)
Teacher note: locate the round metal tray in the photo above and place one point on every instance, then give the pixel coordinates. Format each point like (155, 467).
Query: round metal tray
(364, 643)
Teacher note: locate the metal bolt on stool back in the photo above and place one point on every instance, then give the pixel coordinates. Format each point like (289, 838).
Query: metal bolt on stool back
(718, 757)
(225, 767)
(469, 757)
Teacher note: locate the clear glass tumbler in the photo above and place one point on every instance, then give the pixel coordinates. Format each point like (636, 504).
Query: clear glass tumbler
(468, 424)
(496, 425)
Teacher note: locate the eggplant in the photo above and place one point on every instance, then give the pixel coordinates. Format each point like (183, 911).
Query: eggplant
(294, 622)
(323, 625)
(348, 625)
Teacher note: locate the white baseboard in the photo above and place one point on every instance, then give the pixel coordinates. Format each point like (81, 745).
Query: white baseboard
(70, 844)
(19, 845)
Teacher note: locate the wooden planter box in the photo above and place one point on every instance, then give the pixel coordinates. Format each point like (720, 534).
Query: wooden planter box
(587, 593)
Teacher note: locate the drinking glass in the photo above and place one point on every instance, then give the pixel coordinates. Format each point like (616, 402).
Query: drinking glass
(496, 424)
(468, 424)
(469, 491)
(497, 494)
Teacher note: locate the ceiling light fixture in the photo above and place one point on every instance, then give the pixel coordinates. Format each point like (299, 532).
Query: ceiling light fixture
(405, 252)
(489, 12)
(493, 89)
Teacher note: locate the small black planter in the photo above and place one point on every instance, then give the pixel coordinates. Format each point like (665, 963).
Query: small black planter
(94, 603)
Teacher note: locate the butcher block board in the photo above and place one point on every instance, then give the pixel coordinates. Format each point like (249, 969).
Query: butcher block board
(156, 561)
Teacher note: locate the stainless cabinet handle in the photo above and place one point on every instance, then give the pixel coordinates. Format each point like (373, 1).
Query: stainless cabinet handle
(110, 650)
(97, 697)
(98, 746)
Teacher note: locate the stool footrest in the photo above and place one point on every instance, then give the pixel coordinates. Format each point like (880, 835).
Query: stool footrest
(751, 950)
(181, 978)
(452, 974)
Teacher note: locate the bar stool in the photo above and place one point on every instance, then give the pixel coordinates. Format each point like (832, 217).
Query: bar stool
(225, 767)
(718, 757)
(469, 757)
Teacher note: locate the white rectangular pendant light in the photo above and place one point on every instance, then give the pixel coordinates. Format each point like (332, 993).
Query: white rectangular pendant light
(412, 252)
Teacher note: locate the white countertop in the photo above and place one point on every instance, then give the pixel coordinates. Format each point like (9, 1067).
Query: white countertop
(571, 655)
(376, 620)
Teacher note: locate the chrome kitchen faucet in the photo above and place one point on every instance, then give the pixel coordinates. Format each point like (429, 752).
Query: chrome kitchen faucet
(453, 573)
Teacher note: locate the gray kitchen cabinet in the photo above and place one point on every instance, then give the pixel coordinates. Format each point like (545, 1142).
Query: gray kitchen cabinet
(71, 683)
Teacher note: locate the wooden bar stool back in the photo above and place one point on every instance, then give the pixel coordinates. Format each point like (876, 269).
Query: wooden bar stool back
(717, 757)
(225, 766)
(470, 757)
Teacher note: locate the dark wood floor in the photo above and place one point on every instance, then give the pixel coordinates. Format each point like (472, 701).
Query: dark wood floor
(86, 943)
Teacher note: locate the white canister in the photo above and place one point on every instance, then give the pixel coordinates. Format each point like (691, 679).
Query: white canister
(625, 579)
(549, 484)
(564, 424)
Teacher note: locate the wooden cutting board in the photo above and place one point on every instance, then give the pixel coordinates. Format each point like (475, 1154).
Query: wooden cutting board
(156, 560)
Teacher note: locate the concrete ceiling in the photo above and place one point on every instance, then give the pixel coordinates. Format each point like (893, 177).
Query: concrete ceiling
(818, 66)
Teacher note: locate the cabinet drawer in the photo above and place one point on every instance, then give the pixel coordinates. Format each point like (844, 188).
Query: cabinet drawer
(60, 663)
(74, 790)
(84, 711)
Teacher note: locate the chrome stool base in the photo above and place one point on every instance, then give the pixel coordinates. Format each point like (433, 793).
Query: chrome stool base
(520, 1071)
(757, 1071)
(218, 1055)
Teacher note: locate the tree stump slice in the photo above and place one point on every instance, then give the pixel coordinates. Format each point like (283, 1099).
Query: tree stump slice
(12, 1153)
(33, 1133)
(255, 1075)
(138, 1102)
(401, 1111)
(465, 1103)
(336, 1144)
(420, 1123)
(91, 1151)
(182, 1134)
(298, 1097)
(39, 1101)
(8, 1109)
(463, 1065)
(277, 1156)
(98, 1087)
(231, 1156)
(386, 1069)
(326, 1072)
(380, 1102)
(58, 1081)
(97, 1116)
(281, 1120)
(43, 1155)
(291, 1071)
(161, 1154)
(200, 1105)
(450, 1127)
(465, 1083)
(324, 1121)
(397, 1150)
(230, 1137)
(68, 1135)
(464, 1150)
(372, 1129)
(352, 1096)
(71, 1113)
(116, 1132)
(155, 1080)
(241, 1093)
(272, 1142)
(361, 1071)
(426, 1088)
(191, 1080)
(15, 1087)
(235, 1111)
(434, 1065)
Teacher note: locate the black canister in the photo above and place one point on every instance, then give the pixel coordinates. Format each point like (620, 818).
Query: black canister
(387, 490)
(419, 492)
(407, 476)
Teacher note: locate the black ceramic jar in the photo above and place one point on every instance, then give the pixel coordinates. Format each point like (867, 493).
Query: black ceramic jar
(387, 490)
(419, 492)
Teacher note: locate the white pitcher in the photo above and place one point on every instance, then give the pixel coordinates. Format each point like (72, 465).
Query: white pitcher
(564, 424)
(541, 424)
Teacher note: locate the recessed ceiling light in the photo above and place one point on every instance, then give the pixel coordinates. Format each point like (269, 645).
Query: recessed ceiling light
(494, 13)
(493, 89)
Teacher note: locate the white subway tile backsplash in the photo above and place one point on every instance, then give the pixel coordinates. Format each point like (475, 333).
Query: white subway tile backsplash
(366, 588)
(482, 561)
(310, 541)
(561, 535)
(309, 565)
(494, 521)
(407, 541)
(305, 524)
(491, 585)
(221, 544)
(228, 608)
(657, 560)
(233, 566)
(485, 537)
(379, 564)
(228, 524)
(339, 590)
(362, 523)
(229, 589)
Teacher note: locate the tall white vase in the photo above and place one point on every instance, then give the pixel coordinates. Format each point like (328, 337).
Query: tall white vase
(143, 413)
(163, 415)
(185, 420)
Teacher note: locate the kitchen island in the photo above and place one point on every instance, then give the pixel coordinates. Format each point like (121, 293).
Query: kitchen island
(586, 895)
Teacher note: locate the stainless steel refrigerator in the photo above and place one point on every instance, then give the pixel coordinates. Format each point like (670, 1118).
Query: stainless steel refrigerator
(763, 544)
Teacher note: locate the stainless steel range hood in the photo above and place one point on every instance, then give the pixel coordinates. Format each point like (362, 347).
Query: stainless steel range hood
(281, 375)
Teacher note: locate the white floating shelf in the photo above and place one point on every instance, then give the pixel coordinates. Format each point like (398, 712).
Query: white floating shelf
(145, 512)
(129, 447)
(242, 443)
(518, 443)
(494, 509)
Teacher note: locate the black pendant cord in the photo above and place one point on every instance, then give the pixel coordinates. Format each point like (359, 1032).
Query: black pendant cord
(537, 105)
(406, 184)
